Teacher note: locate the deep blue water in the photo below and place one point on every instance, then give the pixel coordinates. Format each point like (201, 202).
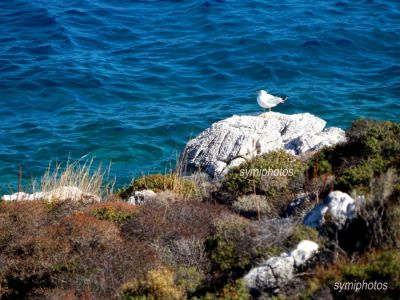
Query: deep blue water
(132, 81)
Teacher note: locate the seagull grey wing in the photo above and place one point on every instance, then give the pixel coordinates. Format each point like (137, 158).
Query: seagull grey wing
(275, 100)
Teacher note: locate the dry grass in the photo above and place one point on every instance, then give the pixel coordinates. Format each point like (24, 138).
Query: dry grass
(83, 175)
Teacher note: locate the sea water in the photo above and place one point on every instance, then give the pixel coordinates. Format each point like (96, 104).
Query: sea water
(132, 81)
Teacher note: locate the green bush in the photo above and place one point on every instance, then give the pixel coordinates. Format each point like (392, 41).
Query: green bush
(189, 279)
(159, 182)
(236, 290)
(230, 247)
(381, 267)
(300, 233)
(356, 178)
(117, 212)
(158, 285)
(240, 180)
(373, 147)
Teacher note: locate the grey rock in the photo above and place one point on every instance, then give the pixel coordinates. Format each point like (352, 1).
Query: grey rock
(232, 141)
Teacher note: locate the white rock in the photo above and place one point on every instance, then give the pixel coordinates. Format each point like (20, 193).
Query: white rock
(303, 252)
(274, 273)
(279, 270)
(38, 196)
(230, 142)
(313, 142)
(340, 207)
(65, 193)
(60, 194)
(141, 197)
(15, 196)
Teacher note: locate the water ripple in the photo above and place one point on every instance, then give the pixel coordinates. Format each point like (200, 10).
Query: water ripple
(132, 81)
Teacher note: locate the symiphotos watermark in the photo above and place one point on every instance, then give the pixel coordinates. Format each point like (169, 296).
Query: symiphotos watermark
(360, 286)
(246, 173)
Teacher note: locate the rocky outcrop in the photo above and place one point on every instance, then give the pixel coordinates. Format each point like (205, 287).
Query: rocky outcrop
(141, 196)
(279, 270)
(230, 142)
(60, 194)
(340, 207)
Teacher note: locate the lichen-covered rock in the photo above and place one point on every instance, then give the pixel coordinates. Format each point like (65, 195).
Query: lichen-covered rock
(230, 142)
(340, 207)
(59, 194)
(279, 270)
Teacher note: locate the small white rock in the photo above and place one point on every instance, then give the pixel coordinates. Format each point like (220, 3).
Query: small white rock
(141, 196)
(303, 252)
(340, 207)
(279, 270)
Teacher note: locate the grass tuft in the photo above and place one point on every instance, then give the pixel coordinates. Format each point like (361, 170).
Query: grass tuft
(84, 176)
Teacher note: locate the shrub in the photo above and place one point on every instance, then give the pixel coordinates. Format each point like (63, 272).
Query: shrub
(189, 279)
(238, 182)
(158, 285)
(300, 233)
(117, 212)
(379, 215)
(235, 291)
(176, 230)
(373, 147)
(375, 266)
(252, 205)
(158, 182)
(85, 233)
(231, 247)
(19, 218)
(76, 252)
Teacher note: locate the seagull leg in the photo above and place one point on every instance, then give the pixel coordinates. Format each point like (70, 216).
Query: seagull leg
(270, 109)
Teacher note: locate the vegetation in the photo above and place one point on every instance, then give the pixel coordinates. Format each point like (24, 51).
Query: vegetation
(374, 267)
(84, 176)
(373, 148)
(241, 180)
(157, 182)
(117, 212)
(201, 248)
(158, 285)
(252, 205)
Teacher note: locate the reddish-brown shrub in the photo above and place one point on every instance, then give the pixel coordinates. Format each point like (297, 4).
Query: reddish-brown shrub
(177, 231)
(19, 218)
(78, 252)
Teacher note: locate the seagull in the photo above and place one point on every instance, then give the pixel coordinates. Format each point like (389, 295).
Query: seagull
(266, 100)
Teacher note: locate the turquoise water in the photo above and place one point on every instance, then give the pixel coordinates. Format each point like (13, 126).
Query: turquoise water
(132, 81)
